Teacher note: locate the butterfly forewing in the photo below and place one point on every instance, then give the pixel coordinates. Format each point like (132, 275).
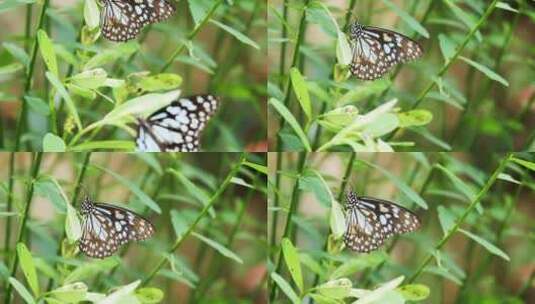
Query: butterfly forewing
(106, 227)
(122, 20)
(377, 50)
(370, 221)
(178, 126)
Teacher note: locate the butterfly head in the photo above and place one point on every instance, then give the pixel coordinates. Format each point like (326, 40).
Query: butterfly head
(355, 30)
(86, 205)
(351, 200)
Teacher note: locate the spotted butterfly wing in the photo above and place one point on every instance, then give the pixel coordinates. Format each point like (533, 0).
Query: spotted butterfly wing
(122, 20)
(176, 127)
(370, 221)
(105, 227)
(377, 50)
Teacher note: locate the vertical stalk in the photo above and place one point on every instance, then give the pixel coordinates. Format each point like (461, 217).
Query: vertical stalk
(36, 163)
(288, 228)
(11, 182)
(209, 204)
(467, 211)
(284, 34)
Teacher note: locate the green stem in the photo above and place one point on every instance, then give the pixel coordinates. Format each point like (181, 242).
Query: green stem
(29, 195)
(11, 182)
(190, 36)
(203, 212)
(289, 226)
(21, 119)
(284, 45)
(74, 200)
(460, 221)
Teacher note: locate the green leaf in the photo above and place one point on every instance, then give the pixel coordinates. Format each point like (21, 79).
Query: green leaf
(338, 118)
(378, 295)
(38, 105)
(291, 257)
(91, 269)
(286, 288)
(414, 292)
(260, 168)
(46, 47)
(524, 163)
(91, 79)
(344, 54)
(487, 71)
(195, 191)
(17, 52)
(111, 55)
(447, 47)
(149, 295)
(143, 197)
(180, 223)
(124, 294)
(458, 183)
(28, 267)
(68, 101)
(414, 196)
(73, 89)
(413, 23)
(443, 272)
(53, 143)
(154, 83)
(91, 14)
(125, 145)
(237, 34)
(301, 91)
(290, 119)
(364, 91)
(73, 229)
(11, 68)
(311, 182)
(23, 292)
(219, 248)
(70, 293)
(488, 245)
(336, 220)
(506, 7)
(446, 219)
(414, 118)
(336, 289)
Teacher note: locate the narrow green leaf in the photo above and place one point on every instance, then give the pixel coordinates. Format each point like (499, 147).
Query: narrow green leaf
(414, 118)
(70, 293)
(413, 195)
(73, 229)
(143, 197)
(447, 47)
(301, 91)
(291, 257)
(377, 295)
(446, 219)
(443, 272)
(23, 292)
(17, 52)
(336, 289)
(195, 191)
(219, 248)
(286, 288)
(111, 55)
(337, 220)
(527, 164)
(53, 143)
(488, 245)
(237, 34)
(38, 105)
(124, 145)
(487, 71)
(413, 23)
(260, 168)
(290, 119)
(506, 6)
(63, 92)
(155, 83)
(11, 68)
(458, 183)
(123, 294)
(344, 54)
(91, 14)
(91, 79)
(46, 47)
(150, 295)
(91, 269)
(28, 267)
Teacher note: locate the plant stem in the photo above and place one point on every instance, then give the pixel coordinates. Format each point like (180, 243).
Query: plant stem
(11, 182)
(467, 211)
(190, 36)
(275, 218)
(21, 119)
(343, 185)
(448, 64)
(284, 45)
(74, 200)
(289, 226)
(209, 204)
(29, 195)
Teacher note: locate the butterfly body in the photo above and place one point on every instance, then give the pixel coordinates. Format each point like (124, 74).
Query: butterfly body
(176, 127)
(376, 51)
(370, 221)
(122, 20)
(105, 227)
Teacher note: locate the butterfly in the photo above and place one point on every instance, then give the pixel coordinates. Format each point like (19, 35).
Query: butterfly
(370, 221)
(122, 20)
(176, 127)
(376, 50)
(105, 227)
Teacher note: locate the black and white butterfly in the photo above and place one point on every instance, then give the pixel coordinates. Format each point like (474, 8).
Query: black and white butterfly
(370, 221)
(376, 50)
(176, 127)
(122, 20)
(105, 227)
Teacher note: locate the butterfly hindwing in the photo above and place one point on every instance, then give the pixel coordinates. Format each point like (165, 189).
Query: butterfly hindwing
(370, 221)
(377, 50)
(122, 20)
(178, 126)
(106, 227)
